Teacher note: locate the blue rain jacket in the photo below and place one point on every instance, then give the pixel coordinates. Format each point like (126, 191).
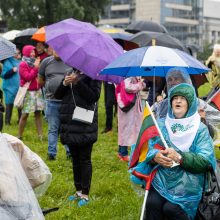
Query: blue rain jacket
(10, 85)
(175, 184)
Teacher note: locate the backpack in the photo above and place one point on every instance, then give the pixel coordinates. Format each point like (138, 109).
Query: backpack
(124, 99)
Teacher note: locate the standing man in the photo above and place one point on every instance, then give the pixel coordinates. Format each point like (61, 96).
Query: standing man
(51, 74)
(110, 103)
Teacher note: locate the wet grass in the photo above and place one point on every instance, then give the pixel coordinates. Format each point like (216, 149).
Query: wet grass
(112, 195)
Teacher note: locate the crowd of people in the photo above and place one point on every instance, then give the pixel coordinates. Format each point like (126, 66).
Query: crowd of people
(61, 94)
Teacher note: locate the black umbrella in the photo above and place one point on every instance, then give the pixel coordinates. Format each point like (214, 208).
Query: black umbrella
(145, 38)
(138, 26)
(24, 37)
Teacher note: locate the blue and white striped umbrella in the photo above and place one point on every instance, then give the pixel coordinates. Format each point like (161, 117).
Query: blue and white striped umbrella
(153, 61)
(7, 49)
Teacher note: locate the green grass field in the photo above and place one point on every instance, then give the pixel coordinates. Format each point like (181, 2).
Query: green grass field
(112, 194)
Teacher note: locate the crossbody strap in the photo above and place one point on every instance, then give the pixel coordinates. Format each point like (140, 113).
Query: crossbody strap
(74, 101)
(71, 88)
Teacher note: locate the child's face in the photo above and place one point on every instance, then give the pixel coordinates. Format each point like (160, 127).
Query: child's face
(159, 98)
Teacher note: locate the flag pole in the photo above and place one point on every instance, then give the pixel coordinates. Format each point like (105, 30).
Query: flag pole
(159, 131)
(148, 178)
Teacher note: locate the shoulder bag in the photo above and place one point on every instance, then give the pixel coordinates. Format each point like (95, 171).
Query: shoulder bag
(19, 99)
(209, 206)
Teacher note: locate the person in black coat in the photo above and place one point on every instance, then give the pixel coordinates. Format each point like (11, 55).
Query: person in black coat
(79, 90)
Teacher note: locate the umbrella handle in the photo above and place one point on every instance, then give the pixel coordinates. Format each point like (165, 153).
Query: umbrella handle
(147, 178)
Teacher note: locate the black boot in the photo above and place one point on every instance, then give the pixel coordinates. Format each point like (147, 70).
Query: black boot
(8, 114)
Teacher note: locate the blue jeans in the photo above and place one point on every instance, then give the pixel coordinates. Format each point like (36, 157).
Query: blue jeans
(53, 118)
(123, 150)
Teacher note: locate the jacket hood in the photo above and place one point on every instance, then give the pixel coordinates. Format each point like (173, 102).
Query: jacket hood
(177, 75)
(26, 51)
(186, 91)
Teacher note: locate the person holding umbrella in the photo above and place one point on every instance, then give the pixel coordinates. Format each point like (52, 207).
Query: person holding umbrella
(79, 94)
(175, 192)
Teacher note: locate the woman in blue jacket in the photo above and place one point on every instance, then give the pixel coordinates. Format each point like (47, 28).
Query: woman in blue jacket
(10, 84)
(176, 192)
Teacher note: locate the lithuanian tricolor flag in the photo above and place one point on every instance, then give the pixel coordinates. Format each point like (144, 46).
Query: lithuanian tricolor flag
(148, 130)
(216, 100)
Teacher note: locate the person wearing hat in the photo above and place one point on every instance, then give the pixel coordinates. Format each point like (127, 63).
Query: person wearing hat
(33, 102)
(175, 192)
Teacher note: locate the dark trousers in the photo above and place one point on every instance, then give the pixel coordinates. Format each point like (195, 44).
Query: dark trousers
(8, 114)
(110, 103)
(82, 166)
(158, 208)
(1, 121)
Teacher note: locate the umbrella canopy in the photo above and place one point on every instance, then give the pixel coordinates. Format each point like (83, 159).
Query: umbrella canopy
(83, 46)
(138, 26)
(24, 37)
(39, 35)
(7, 49)
(10, 35)
(153, 61)
(145, 38)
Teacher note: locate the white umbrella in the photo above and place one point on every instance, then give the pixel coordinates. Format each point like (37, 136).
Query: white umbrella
(10, 35)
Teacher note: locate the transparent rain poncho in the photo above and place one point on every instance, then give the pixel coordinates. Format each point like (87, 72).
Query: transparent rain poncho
(17, 198)
(34, 167)
(213, 117)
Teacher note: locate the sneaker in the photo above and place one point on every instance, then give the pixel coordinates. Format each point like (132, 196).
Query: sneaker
(83, 202)
(51, 157)
(75, 197)
(125, 158)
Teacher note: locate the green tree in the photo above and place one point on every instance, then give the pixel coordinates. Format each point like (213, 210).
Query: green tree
(207, 51)
(21, 14)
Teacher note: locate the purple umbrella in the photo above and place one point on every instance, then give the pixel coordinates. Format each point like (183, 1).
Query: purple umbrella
(84, 47)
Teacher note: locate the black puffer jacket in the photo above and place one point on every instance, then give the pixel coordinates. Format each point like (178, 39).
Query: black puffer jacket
(86, 93)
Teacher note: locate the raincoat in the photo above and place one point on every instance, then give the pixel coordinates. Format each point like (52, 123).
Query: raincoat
(176, 184)
(10, 83)
(129, 123)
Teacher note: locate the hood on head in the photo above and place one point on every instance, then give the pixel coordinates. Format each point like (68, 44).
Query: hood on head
(26, 51)
(180, 73)
(186, 91)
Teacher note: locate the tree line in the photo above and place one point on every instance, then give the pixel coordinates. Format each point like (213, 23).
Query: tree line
(21, 14)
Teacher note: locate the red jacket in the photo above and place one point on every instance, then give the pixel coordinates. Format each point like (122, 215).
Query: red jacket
(27, 74)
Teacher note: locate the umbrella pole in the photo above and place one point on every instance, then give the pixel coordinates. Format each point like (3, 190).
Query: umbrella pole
(144, 204)
(154, 87)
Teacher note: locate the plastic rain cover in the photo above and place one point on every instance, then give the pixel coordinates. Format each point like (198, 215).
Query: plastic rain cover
(17, 198)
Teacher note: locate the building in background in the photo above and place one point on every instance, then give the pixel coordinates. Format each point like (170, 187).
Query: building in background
(194, 22)
(211, 21)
